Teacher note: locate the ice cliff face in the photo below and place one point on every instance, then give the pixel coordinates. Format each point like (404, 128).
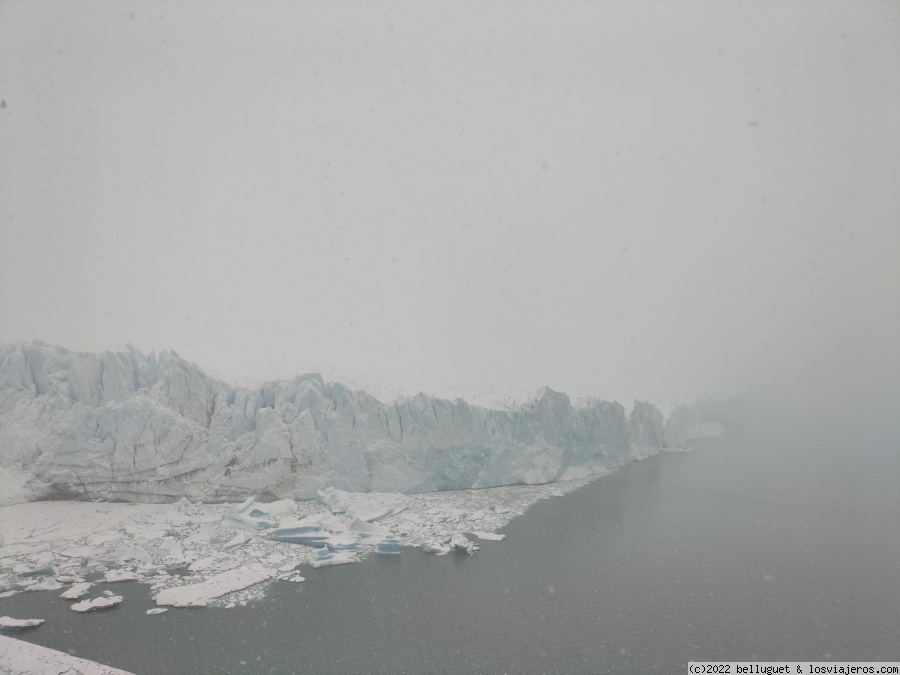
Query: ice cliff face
(154, 428)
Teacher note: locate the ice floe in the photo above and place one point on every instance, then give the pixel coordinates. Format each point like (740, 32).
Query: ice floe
(103, 602)
(9, 622)
(75, 591)
(325, 557)
(490, 536)
(119, 575)
(47, 585)
(200, 595)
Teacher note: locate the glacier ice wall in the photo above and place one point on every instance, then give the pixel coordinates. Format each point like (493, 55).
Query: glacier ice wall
(153, 428)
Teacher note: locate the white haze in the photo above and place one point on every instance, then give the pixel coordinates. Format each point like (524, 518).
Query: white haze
(614, 199)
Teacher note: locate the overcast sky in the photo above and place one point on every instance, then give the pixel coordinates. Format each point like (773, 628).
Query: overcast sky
(611, 198)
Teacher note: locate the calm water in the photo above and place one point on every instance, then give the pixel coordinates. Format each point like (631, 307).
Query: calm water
(756, 547)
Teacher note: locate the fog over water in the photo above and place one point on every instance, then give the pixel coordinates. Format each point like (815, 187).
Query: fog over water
(614, 199)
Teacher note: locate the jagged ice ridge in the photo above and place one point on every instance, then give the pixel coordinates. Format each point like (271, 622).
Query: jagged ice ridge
(153, 428)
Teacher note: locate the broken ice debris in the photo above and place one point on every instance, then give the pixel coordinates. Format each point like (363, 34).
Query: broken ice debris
(278, 508)
(239, 540)
(199, 595)
(239, 516)
(459, 540)
(119, 575)
(325, 557)
(9, 622)
(157, 610)
(432, 546)
(365, 506)
(172, 549)
(43, 571)
(48, 585)
(97, 603)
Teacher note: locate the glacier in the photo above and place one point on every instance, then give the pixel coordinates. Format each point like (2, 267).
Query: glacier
(154, 428)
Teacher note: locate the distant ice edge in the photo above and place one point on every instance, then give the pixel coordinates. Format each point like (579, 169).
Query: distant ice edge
(154, 428)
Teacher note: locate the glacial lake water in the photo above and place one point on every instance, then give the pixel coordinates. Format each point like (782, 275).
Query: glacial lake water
(761, 546)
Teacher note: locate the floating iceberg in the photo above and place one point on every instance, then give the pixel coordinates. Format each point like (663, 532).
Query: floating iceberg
(239, 515)
(77, 590)
(325, 557)
(9, 622)
(42, 571)
(389, 545)
(490, 536)
(102, 602)
(48, 585)
(200, 595)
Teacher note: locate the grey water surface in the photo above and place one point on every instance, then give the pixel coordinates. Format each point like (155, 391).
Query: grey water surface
(764, 546)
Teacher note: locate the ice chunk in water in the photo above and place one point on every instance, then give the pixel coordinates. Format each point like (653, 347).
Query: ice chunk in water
(310, 534)
(324, 558)
(9, 622)
(460, 541)
(43, 571)
(490, 536)
(76, 591)
(239, 515)
(390, 545)
(97, 603)
(199, 595)
(47, 585)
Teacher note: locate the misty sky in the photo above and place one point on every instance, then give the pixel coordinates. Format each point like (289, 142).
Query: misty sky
(611, 198)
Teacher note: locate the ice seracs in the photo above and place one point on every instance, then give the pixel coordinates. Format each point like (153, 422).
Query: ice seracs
(156, 428)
